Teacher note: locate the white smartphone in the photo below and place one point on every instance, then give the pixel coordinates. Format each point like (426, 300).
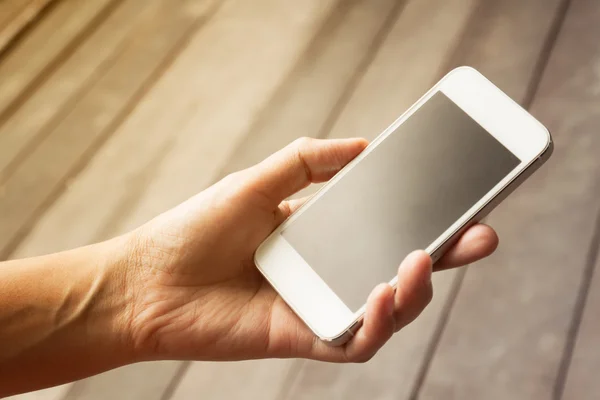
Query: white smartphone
(442, 166)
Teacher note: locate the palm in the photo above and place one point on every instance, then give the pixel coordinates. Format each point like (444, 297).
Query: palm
(218, 278)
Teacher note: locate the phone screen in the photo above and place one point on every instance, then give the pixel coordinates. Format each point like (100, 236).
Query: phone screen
(401, 197)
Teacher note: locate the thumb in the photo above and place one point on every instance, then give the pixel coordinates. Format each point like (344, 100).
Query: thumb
(303, 162)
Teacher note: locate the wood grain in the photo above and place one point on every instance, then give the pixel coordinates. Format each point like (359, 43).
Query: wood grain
(406, 66)
(392, 373)
(229, 92)
(177, 114)
(573, 92)
(45, 46)
(16, 15)
(10, 8)
(300, 106)
(326, 72)
(200, 75)
(9, 13)
(507, 331)
(582, 378)
(157, 38)
(406, 353)
(327, 69)
(234, 380)
(139, 381)
(63, 88)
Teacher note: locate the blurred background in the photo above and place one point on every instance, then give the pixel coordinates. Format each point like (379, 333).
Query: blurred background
(112, 111)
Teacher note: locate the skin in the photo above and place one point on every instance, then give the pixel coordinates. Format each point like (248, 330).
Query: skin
(184, 286)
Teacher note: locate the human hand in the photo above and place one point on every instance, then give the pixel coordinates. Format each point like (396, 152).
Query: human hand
(196, 293)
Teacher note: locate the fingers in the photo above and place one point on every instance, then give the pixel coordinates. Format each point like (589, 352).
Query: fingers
(300, 163)
(387, 312)
(476, 243)
(289, 207)
(413, 290)
(378, 325)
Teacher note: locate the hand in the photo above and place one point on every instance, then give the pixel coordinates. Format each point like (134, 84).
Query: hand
(196, 293)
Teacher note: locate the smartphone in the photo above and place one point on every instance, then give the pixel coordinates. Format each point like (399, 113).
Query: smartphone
(441, 167)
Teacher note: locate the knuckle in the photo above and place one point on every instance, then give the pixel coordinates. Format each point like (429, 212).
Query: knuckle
(227, 184)
(303, 142)
(298, 150)
(233, 183)
(232, 178)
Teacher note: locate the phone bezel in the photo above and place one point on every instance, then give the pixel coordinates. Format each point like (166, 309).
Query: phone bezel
(302, 288)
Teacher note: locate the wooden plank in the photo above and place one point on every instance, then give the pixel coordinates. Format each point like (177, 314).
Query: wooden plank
(63, 88)
(180, 111)
(201, 74)
(258, 379)
(12, 23)
(578, 64)
(208, 134)
(582, 379)
(396, 372)
(139, 381)
(507, 332)
(67, 214)
(124, 18)
(43, 47)
(406, 66)
(96, 114)
(332, 64)
(8, 10)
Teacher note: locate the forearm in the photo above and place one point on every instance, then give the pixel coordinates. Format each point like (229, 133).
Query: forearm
(62, 317)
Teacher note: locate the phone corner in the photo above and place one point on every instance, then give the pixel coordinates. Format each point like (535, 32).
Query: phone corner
(258, 255)
(341, 338)
(549, 145)
(463, 70)
(546, 147)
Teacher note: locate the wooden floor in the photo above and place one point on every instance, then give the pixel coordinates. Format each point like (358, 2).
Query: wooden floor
(114, 110)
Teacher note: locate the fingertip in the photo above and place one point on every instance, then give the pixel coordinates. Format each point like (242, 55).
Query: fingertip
(414, 289)
(485, 239)
(362, 142)
(380, 301)
(478, 242)
(418, 262)
(378, 324)
(379, 315)
(352, 146)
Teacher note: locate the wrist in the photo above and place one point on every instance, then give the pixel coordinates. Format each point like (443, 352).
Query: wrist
(105, 301)
(139, 259)
(64, 317)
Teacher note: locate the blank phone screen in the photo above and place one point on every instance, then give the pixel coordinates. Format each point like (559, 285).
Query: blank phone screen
(400, 197)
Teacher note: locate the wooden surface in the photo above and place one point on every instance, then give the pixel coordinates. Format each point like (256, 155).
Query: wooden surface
(578, 95)
(112, 111)
(45, 46)
(526, 294)
(16, 15)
